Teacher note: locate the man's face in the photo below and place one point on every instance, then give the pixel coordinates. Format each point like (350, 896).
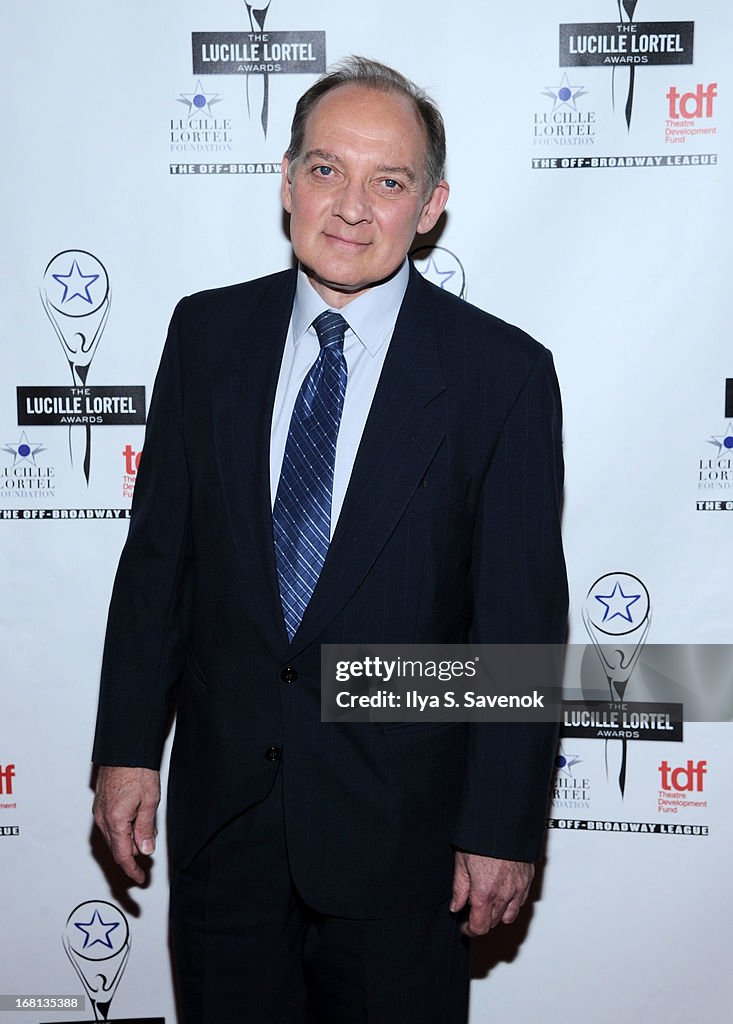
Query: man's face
(356, 195)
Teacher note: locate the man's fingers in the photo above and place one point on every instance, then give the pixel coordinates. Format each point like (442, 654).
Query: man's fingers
(461, 887)
(145, 831)
(131, 868)
(512, 910)
(479, 921)
(123, 848)
(484, 916)
(124, 810)
(123, 851)
(495, 890)
(145, 844)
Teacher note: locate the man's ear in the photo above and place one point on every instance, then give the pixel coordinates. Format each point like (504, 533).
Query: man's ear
(286, 189)
(434, 206)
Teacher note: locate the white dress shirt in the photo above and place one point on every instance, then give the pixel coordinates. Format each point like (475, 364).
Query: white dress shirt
(371, 318)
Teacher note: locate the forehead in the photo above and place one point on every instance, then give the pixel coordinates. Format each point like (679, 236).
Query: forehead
(364, 117)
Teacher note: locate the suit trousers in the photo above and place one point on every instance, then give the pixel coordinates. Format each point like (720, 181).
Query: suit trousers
(248, 950)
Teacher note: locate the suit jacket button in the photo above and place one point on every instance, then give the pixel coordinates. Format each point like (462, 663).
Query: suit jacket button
(273, 754)
(288, 675)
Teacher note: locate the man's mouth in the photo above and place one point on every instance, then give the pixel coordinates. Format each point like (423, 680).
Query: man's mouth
(350, 243)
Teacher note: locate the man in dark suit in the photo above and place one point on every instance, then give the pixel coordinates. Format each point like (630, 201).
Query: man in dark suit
(338, 454)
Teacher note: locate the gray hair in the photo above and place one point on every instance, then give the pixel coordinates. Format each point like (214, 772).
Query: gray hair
(373, 75)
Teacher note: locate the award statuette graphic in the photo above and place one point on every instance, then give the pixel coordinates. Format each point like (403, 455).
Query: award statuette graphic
(617, 615)
(97, 942)
(257, 17)
(76, 297)
(626, 9)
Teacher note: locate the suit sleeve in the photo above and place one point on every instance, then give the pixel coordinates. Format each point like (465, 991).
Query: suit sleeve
(519, 591)
(149, 615)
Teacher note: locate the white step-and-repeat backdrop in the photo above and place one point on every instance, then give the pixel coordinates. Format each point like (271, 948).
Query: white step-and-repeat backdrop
(589, 158)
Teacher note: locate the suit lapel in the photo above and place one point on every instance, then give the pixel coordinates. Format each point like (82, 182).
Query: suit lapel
(403, 431)
(243, 398)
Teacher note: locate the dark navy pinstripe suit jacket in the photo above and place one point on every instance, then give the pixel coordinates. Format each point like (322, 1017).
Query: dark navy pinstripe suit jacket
(450, 531)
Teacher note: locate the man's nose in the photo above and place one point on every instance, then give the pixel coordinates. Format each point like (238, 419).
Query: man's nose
(353, 202)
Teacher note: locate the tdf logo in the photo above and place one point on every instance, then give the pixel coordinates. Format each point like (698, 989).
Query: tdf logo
(7, 774)
(685, 779)
(691, 105)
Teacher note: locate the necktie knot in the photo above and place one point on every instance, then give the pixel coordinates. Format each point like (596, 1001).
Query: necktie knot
(330, 328)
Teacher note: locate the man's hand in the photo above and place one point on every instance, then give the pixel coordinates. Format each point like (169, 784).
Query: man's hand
(124, 810)
(494, 889)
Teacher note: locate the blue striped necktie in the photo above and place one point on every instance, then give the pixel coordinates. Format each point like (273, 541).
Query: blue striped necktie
(301, 514)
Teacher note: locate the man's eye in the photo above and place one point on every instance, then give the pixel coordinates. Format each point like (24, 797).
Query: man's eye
(323, 171)
(391, 184)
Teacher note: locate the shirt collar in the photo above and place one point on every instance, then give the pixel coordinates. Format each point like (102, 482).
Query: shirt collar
(371, 316)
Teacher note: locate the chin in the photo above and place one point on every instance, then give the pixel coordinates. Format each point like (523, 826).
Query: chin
(341, 282)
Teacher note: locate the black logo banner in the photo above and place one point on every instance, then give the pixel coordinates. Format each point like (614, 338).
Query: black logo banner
(603, 44)
(115, 405)
(246, 53)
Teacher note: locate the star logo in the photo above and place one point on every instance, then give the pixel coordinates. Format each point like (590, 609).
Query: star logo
(24, 450)
(617, 604)
(724, 443)
(199, 103)
(432, 272)
(74, 286)
(441, 267)
(97, 931)
(564, 763)
(564, 94)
